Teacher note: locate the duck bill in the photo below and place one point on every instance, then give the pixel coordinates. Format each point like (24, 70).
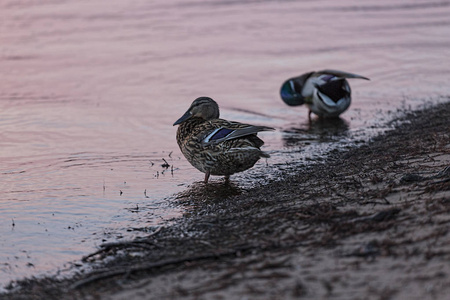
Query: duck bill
(183, 118)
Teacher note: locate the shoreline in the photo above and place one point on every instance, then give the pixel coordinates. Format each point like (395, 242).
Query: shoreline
(366, 223)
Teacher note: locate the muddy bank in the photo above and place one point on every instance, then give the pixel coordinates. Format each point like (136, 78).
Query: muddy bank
(368, 223)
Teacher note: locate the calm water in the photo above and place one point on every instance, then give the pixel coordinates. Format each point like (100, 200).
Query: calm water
(89, 90)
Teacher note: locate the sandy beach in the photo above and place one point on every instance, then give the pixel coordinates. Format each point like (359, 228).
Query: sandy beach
(366, 223)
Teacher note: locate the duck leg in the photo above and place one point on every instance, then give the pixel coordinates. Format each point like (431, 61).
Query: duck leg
(207, 176)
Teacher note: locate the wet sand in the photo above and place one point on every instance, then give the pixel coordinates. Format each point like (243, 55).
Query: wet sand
(367, 223)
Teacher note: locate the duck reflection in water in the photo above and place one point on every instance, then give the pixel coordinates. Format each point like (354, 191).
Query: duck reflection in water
(316, 131)
(213, 193)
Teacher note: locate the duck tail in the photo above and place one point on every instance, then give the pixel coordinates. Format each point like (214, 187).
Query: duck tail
(343, 74)
(264, 154)
(334, 89)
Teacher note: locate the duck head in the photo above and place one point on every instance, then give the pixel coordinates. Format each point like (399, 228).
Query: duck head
(202, 107)
(291, 90)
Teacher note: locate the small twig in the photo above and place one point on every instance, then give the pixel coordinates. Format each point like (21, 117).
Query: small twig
(380, 216)
(165, 164)
(108, 246)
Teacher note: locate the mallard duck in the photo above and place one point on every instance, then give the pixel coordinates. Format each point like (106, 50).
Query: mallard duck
(215, 146)
(326, 93)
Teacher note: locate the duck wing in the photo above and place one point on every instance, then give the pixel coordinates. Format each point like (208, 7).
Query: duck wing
(225, 131)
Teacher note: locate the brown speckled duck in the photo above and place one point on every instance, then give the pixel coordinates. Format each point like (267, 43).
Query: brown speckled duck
(215, 146)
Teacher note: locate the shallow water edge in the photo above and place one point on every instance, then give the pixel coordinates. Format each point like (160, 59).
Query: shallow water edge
(228, 222)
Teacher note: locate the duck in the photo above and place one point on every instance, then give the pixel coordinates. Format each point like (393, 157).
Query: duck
(326, 93)
(216, 146)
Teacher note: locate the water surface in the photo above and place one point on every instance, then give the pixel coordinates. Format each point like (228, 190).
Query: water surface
(89, 91)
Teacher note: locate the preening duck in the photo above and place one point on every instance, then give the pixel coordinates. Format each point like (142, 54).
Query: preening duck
(326, 93)
(216, 146)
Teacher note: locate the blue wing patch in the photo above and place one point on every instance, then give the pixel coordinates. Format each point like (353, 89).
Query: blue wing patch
(221, 133)
(218, 134)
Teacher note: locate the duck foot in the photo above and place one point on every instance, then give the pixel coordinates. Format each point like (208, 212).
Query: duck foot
(207, 177)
